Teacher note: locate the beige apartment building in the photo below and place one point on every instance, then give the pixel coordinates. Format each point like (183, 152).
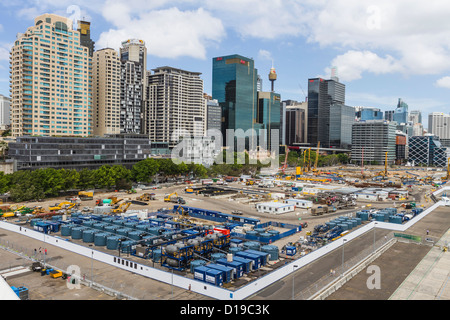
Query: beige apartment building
(51, 80)
(174, 102)
(106, 87)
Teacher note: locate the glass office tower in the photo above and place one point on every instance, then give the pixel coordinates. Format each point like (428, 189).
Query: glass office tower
(401, 112)
(322, 95)
(234, 86)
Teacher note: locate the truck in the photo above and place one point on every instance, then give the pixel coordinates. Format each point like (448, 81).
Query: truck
(207, 182)
(86, 195)
(174, 198)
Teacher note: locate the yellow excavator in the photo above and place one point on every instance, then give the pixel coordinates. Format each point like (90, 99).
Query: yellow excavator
(62, 205)
(123, 207)
(168, 197)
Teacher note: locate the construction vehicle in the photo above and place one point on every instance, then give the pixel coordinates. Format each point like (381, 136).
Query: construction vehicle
(62, 205)
(122, 208)
(146, 197)
(173, 197)
(86, 195)
(250, 182)
(114, 200)
(56, 274)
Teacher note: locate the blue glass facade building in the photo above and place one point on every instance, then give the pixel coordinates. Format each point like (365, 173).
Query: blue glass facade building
(234, 86)
(401, 112)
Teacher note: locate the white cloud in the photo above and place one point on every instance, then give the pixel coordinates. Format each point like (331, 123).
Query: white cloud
(168, 33)
(4, 51)
(413, 32)
(265, 55)
(353, 64)
(443, 82)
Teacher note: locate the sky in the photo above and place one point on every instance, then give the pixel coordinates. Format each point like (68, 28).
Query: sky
(383, 50)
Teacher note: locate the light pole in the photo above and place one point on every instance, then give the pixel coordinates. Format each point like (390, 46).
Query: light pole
(293, 277)
(374, 227)
(343, 244)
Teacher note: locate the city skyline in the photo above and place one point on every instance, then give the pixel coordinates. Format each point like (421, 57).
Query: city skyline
(187, 35)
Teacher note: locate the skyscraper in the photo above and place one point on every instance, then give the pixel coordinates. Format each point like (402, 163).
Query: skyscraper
(234, 85)
(51, 80)
(322, 95)
(84, 28)
(296, 122)
(5, 110)
(401, 112)
(439, 124)
(106, 87)
(174, 102)
(372, 139)
(133, 57)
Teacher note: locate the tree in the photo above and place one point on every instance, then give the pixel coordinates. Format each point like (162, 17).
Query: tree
(70, 179)
(86, 179)
(144, 170)
(104, 177)
(120, 173)
(5, 181)
(167, 167)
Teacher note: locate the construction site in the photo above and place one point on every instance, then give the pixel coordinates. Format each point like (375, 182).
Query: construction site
(224, 233)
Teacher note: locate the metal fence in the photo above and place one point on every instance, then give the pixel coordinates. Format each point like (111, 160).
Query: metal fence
(339, 271)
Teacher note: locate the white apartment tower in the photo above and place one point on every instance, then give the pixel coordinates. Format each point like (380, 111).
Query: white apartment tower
(133, 57)
(439, 124)
(106, 88)
(174, 101)
(5, 107)
(51, 93)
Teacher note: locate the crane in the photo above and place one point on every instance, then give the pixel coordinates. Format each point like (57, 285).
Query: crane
(309, 159)
(317, 157)
(448, 170)
(283, 168)
(385, 165)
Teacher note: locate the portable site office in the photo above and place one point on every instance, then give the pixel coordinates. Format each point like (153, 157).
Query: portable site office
(298, 203)
(274, 207)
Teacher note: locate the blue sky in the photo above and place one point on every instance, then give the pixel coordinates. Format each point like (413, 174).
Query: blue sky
(383, 50)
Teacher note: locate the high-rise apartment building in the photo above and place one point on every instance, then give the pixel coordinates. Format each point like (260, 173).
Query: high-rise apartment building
(234, 85)
(439, 124)
(106, 92)
(51, 80)
(5, 111)
(372, 139)
(213, 115)
(174, 102)
(133, 57)
(322, 95)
